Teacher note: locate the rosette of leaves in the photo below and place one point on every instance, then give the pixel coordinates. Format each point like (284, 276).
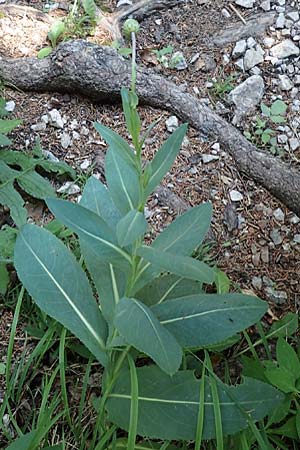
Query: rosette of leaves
(152, 300)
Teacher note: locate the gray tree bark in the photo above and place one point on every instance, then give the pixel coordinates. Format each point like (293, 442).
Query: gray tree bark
(99, 73)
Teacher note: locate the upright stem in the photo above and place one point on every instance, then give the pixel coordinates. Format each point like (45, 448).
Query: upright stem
(133, 62)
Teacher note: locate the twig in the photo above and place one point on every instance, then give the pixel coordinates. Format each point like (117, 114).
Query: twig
(238, 14)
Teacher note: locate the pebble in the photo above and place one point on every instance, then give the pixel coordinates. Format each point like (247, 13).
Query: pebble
(40, 126)
(257, 282)
(239, 48)
(49, 155)
(171, 124)
(69, 188)
(276, 236)
(85, 164)
(279, 215)
(285, 83)
(294, 143)
(247, 95)
(245, 3)
(207, 158)
(266, 5)
(253, 57)
(236, 196)
(285, 49)
(296, 238)
(55, 119)
(278, 297)
(264, 254)
(65, 140)
(10, 106)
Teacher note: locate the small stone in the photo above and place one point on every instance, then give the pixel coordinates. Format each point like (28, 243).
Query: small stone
(294, 143)
(285, 83)
(278, 297)
(216, 147)
(65, 140)
(239, 48)
(276, 236)
(280, 22)
(10, 106)
(282, 139)
(257, 283)
(294, 220)
(171, 124)
(279, 215)
(293, 15)
(253, 57)
(178, 61)
(268, 42)
(236, 196)
(266, 5)
(207, 158)
(285, 49)
(297, 80)
(69, 188)
(251, 42)
(49, 155)
(256, 259)
(225, 13)
(45, 119)
(296, 238)
(264, 254)
(40, 126)
(123, 3)
(85, 164)
(247, 95)
(245, 3)
(55, 119)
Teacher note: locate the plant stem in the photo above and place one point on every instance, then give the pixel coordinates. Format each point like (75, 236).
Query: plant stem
(133, 62)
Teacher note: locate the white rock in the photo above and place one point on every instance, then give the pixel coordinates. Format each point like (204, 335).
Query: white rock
(247, 95)
(123, 3)
(239, 48)
(172, 124)
(207, 158)
(69, 188)
(245, 3)
(253, 57)
(251, 42)
(226, 13)
(294, 143)
(285, 83)
(293, 15)
(55, 119)
(40, 126)
(65, 140)
(45, 118)
(268, 42)
(280, 22)
(10, 106)
(236, 196)
(49, 155)
(266, 5)
(279, 215)
(285, 49)
(85, 164)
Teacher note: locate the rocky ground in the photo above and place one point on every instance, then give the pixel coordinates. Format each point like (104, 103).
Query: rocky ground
(255, 239)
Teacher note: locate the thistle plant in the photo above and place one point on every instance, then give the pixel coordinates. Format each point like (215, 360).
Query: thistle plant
(153, 307)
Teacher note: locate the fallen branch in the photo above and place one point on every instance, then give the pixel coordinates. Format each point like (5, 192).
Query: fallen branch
(99, 73)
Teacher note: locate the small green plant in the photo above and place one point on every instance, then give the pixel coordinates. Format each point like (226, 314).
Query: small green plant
(153, 307)
(167, 57)
(261, 132)
(222, 86)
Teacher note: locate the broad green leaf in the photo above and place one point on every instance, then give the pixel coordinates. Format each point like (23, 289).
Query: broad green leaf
(168, 406)
(183, 266)
(281, 378)
(287, 357)
(222, 282)
(4, 140)
(181, 237)
(122, 180)
(23, 442)
(121, 444)
(97, 198)
(4, 278)
(265, 109)
(131, 115)
(278, 108)
(265, 138)
(140, 328)
(278, 119)
(280, 412)
(109, 281)
(131, 227)
(59, 167)
(56, 30)
(288, 429)
(59, 286)
(13, 200)
(117, 143)
(44, 52)
(91, 229)
(205, 319)
(7, 125)
(8, 237)
(89, 7)
(167, 287)
(35, 185)
(219, 347)
(284, 327)
(164, 158)
(253, 368)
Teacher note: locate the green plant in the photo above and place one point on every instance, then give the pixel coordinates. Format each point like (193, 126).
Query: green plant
(222, 85)
(153, 307)
(261, 132)
(167, 58)
(18, 171)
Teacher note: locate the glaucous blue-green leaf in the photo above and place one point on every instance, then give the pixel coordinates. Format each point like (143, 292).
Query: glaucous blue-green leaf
(97, 198)
(287, 357)
(183, 266)
(164, 158)
(59, 286)
(131, 227)
(122, 444)
(35, 185)
(181, 237)
(140, 328)
(23, 442)
(109, 281)
(91, 229)
(168, 406)
(122, 180)
(132, 117)
(167, 287)
(205, 319)
(116, 143)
